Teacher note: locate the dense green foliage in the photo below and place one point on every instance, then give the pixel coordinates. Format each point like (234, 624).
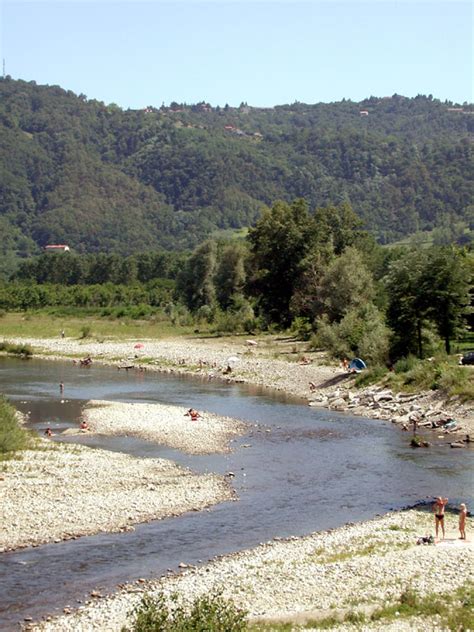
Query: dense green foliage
(71, 269)
(22, 296)
(209, 613)
(12, 436)
(318, 274)
(428, 288)
(98, 178)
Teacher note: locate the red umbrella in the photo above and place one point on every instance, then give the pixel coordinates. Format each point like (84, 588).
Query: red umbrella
(139, 345)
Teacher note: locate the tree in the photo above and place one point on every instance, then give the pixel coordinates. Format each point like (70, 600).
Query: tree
(407, 305)
(279, 242)
(447, 281)
(338, 223)
(196, 282)
(230, 275)
(346, 285)
(428, 287)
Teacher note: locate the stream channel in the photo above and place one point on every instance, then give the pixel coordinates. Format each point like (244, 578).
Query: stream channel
(299, 470)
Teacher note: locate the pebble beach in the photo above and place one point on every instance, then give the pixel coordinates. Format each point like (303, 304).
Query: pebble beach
(294, 580)
(167, 425)
(356, 567)
(81, 491)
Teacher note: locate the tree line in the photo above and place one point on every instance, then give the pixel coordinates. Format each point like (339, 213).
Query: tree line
(316, 273)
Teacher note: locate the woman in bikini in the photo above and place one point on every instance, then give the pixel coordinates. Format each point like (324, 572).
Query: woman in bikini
(193, 414)
(439, 508)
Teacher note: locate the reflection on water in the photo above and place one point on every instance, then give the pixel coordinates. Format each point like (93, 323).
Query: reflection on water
(303, 469)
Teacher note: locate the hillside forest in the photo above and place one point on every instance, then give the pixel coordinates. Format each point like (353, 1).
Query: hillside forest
(74, 170)
(239, 220)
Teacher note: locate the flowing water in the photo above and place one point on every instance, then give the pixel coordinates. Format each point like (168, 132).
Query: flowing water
(298, 470)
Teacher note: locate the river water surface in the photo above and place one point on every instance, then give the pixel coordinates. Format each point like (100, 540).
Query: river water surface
(299, 470)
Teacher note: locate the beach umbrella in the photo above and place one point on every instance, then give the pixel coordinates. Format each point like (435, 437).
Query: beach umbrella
(139, 345)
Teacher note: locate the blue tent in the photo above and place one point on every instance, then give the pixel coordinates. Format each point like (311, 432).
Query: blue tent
(357, 365)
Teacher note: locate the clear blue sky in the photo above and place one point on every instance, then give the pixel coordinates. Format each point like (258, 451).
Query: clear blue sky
(264, 52)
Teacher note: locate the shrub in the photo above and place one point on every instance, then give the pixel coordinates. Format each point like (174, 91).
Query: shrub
(370, 376)
(360, 333)
(12, 435)
(20, 349)
(302, 328)
(85, 331)
(405, 364)
(210, 613)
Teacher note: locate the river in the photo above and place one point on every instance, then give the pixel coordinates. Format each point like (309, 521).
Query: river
(299, 470)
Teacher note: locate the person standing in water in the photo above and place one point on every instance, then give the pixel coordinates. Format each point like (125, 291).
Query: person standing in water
(439, 509)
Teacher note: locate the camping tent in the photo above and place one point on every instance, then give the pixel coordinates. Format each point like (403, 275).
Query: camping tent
(357, 365)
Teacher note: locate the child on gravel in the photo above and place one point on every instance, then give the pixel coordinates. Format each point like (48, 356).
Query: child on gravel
(462, 520)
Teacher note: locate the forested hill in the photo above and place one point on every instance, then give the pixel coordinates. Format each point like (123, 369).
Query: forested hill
(74, 170)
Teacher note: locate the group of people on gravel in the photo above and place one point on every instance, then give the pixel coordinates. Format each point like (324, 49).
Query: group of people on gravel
(439, 508)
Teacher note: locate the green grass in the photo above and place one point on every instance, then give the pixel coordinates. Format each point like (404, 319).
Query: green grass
(455, 611)
(12, 436)
(438, 374)
(209, 613)
(40, 325)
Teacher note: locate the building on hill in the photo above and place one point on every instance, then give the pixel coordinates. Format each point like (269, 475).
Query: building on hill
(57, 248)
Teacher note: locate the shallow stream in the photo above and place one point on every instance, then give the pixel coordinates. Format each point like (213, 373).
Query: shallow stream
(299, 470)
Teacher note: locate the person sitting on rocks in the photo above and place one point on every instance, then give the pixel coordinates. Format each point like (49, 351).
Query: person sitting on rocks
(193, 414)
(48, 432)
(84, 425)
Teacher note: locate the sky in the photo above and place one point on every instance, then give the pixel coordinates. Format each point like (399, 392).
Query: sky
(262, 52)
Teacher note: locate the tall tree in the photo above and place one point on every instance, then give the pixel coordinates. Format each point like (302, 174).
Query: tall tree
(196, 282)
(447, 282)
(346, 285)
(407, 305)
(230, 275)
(279, 242)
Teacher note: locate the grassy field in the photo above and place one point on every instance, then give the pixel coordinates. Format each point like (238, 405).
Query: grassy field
(38, 325)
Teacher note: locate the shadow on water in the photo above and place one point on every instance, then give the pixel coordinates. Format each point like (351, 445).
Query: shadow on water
(298, 470)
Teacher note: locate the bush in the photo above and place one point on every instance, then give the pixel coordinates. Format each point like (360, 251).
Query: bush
(85, 331)
(302, 328)
(405, 364)
(360, 333)
(209, 613)
(20, 349)
(370, 376)
(12, 436)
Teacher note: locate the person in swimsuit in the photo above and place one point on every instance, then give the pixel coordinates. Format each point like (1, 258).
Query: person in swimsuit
(439, 508)
(193, 414)
(462, 520)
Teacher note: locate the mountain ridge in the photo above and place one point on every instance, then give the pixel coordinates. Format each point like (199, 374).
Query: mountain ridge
(101, 178)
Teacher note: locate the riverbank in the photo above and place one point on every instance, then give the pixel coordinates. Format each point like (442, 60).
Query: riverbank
(271, 363)
(59, 491)
(355, 568)
(166, 425)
